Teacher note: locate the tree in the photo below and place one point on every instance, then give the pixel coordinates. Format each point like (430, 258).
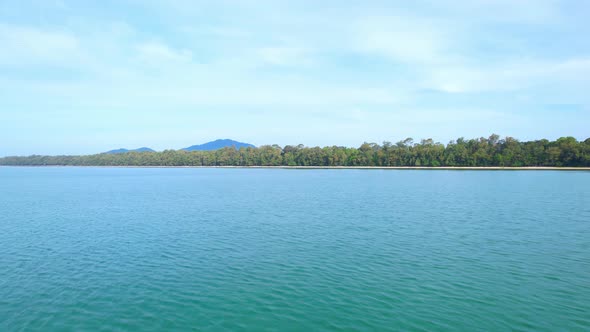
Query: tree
(493, 151)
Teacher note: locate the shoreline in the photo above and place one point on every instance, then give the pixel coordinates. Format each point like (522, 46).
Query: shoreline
(455, 168)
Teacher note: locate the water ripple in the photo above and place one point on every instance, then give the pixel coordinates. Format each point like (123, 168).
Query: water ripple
(283, 250)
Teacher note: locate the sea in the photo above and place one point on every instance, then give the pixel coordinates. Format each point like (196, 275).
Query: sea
(210, 249)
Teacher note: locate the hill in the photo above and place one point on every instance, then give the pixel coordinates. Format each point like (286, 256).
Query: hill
(117, 151)
(218, 144)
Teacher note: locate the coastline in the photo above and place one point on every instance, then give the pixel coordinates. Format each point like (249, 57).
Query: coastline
(453, 168)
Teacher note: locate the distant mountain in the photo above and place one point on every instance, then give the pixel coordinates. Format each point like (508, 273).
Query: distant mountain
(144, 149)
(218, 144)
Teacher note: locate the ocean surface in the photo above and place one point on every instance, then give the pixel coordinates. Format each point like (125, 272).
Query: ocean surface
(129, 249)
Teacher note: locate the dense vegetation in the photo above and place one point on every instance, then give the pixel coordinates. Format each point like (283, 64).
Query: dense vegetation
(492, 151)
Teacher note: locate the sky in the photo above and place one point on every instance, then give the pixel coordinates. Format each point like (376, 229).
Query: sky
(81, 77)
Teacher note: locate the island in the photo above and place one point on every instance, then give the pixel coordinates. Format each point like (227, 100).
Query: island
(492, 152)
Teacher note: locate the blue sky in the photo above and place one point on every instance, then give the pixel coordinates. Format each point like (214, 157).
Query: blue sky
(81, 77)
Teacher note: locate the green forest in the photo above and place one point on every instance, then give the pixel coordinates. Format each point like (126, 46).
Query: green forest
(491, 151)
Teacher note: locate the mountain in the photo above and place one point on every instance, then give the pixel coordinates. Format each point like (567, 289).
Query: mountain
(218, 144)
(210, 146)
(144, 149)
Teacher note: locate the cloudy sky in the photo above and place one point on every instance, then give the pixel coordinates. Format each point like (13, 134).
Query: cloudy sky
(82, 77)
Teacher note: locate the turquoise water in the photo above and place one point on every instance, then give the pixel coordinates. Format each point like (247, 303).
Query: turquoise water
(293, 250)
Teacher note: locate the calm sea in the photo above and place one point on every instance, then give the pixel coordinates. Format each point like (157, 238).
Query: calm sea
(293, 250)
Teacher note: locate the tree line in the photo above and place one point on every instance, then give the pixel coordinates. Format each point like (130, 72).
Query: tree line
(491, 151)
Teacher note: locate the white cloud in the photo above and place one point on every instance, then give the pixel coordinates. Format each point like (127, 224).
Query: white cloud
(22, 45)
(430, 53)
(400, 39)
(507, 11)
(155, 52)
(61, 4)
(510, 76)
(404, 39)
(284, 56)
